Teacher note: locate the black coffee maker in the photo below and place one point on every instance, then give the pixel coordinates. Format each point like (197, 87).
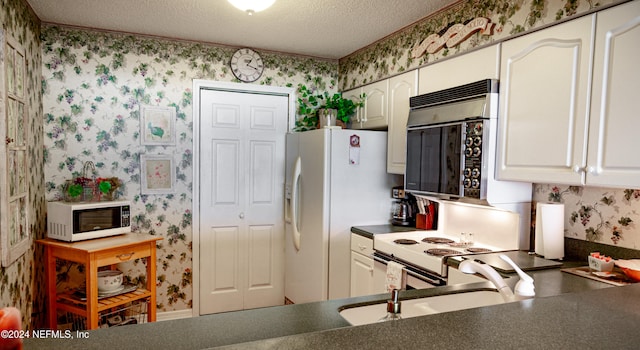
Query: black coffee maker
(404, 208)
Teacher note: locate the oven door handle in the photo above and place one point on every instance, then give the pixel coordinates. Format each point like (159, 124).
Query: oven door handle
(409, 272)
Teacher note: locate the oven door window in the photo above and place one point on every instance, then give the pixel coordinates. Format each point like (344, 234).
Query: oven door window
(433, 159)
(96, 219)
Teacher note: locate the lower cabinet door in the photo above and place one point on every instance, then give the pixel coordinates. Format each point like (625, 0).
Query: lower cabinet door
(361, 275)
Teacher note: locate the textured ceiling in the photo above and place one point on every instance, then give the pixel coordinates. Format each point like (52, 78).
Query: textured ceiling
(321, 28)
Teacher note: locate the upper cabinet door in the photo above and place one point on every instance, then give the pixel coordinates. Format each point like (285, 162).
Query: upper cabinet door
(459, 70)
(401, 88)
(614, 121)
(354, 95)
(375, 111)
(544, 86)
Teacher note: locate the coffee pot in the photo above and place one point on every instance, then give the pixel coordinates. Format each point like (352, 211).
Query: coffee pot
(404, 208)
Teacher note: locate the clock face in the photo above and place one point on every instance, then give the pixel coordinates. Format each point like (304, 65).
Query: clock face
(247, 65)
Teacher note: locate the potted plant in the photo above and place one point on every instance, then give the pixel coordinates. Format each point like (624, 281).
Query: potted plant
(310, 105)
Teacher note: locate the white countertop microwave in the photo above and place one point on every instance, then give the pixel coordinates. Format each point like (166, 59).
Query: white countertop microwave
(77, 221)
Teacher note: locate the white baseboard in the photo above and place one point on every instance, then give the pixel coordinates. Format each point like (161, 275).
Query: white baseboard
(174, 315)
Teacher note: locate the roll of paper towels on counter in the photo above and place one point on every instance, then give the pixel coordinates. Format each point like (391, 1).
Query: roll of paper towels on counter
(550, 230)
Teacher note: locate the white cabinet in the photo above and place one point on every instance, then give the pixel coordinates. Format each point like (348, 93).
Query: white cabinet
(374, 114)
(557, 128)
(354, 95)
(401, 88)
(459, 70)
(543, 104)
(614, 121)
(361, 266)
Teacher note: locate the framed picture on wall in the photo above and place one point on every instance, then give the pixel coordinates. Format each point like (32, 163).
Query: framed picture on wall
(157, 174)
(157, 125)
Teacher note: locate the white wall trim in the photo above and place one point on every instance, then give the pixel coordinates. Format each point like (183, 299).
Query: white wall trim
(199, 85)
(174, 315)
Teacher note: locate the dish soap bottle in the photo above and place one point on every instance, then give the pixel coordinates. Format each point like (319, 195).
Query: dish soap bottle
(393, 308)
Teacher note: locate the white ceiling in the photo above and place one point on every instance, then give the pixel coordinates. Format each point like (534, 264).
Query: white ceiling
(321, 28)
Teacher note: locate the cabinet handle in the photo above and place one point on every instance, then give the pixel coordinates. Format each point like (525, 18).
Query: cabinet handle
(362, 247)
(593, 170)
(125, 257)
(579, 169)
(8, 140)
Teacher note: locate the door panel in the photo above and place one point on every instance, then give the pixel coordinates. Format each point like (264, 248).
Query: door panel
(226, 173)
(241, 180)
(263, 172)
(223, 270)
(614, 121)
(544, 84)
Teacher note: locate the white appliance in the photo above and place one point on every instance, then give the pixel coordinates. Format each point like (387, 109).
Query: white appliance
(77, 221)
(463, 229)
(335, 179)
(451, 150)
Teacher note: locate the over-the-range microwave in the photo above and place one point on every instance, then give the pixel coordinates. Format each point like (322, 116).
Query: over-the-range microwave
(77, 221)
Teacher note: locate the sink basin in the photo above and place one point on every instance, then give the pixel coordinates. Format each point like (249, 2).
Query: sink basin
(359, 315)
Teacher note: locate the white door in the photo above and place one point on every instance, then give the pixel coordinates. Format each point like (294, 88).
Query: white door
(361, 275)
(401, 88)
(614, 122)
(242, 155)
(544, 85)
(375, 114)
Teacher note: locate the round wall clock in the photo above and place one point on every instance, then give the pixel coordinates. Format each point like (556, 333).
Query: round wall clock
(247, 65)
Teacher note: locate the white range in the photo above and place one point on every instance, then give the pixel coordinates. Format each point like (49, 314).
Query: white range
(462, 230)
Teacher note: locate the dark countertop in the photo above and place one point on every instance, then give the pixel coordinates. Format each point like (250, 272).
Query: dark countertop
(569, 311)
(606, 318)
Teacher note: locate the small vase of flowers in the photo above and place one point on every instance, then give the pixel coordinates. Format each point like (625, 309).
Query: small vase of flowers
(107, 188)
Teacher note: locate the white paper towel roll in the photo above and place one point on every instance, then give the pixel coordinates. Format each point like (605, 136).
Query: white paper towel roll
(550, 230)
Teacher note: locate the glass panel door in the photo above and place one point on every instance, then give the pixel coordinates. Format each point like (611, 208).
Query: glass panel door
(14, 189)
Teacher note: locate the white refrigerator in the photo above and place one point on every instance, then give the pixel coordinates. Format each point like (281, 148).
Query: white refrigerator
(335, 179)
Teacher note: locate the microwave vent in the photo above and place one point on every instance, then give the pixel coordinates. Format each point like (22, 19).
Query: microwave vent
(56, 230)
(458, 93)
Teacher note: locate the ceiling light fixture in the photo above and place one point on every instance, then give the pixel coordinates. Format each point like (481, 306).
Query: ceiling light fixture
(251, 6)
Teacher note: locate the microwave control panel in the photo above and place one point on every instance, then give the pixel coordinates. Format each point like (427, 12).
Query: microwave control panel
(473, 154)
(126, 216)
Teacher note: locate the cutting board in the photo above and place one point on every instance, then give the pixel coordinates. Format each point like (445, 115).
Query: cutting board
(616, 277)
(525, 261)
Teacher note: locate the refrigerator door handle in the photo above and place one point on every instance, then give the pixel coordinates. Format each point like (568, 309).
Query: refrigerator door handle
(294, 203)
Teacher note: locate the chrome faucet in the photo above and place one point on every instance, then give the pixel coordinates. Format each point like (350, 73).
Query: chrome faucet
(393, 307)
(524, 288)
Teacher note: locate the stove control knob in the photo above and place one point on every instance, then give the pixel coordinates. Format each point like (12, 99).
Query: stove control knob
(477, 141)
(468, 152)
(467, 172)
(475, 183)
(466, 183)
(476, 151)
(477, 128)
(468, 142)
(475, 173)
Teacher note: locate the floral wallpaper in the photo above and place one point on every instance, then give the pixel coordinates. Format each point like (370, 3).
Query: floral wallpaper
(393, 55)
(94, 85)
(601, 215)
(19, 281)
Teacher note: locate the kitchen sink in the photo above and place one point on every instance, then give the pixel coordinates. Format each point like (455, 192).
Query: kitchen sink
(359, 315)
